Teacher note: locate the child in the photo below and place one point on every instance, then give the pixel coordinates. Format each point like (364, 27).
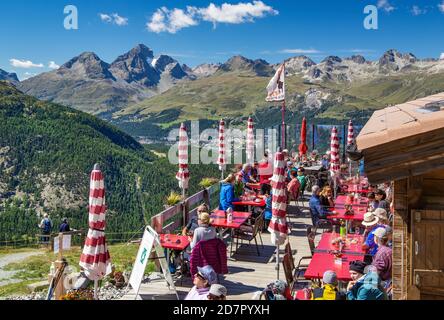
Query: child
(302, 179)
(266, 191)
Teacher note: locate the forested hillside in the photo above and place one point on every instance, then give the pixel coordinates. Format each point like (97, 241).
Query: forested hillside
(46, 154)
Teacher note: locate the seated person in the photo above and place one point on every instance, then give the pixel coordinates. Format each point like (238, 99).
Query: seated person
(381, 198)
(254, 171)
(217, 292)
(193, 224)
(302, 179)
(266, 191)
(371, 224)
(204, 232)
(329, 289)
(246, 175)
(205, 277)
(326, 197)
(293, 187)
(265, 170)
(226, 195)
(361, 287)
(372, 203)
(317, 211)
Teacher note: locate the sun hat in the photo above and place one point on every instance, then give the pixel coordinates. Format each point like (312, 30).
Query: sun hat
(330, 277)
(380, 232)
(208, 274)
(358, 266)
(218, 290)
(289, 163)
(381, 213)
(370, 219)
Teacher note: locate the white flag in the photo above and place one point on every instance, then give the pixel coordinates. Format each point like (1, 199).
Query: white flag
(276, 87)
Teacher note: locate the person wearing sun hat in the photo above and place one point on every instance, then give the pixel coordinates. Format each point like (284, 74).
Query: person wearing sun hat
(371, 224)
(382, 215)
(204, 278)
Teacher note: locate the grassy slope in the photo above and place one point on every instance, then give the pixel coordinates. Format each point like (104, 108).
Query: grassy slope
(233, 95)
(36, 268)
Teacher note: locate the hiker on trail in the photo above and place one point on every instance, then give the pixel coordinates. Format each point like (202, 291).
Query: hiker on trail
(64, 227)
(46, 226)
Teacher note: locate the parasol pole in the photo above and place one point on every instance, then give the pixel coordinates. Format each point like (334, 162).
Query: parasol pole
(95, 289)
(283, 145)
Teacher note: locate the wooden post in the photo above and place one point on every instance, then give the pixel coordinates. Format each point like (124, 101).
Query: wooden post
(60, 289)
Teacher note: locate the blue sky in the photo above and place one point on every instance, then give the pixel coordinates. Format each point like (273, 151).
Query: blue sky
(32, 31)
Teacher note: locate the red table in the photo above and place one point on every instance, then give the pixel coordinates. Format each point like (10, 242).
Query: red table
(258, 202)
(256, 186)
(322, 262)
(342, 200)
(169, 241)
(300, 295)
(359, 188)
(340, 214)
(355, 248)
(239, 218)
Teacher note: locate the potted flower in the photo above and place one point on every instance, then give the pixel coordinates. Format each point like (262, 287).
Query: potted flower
(173, 199)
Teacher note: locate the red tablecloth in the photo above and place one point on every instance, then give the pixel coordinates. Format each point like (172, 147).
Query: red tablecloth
(356, 248)
(169, 241)
(322, 262)
(239, 218)
(300, 295)
(342, 200)
(340, 214)
(256, 186)
(259, 202)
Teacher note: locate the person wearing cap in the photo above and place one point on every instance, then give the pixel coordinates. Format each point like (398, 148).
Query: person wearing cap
(329, 289)
(204, 278)
(204, 232)
(361, 288)
(383, 257)
(371, 224)
(382, 215)
(316, 209)
(64, 226)
(217, 292)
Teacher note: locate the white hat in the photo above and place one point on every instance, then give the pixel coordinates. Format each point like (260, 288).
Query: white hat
(380, 232)
(370, 219)
(218, 290)
(380, 213)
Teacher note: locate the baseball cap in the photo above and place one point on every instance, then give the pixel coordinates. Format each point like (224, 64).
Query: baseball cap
(208, 274)
(218, 290)
(380, 232)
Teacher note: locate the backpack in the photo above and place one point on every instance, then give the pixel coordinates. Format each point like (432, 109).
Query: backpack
(46, 225)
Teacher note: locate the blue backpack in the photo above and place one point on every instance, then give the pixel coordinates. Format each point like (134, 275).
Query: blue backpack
(46, 225)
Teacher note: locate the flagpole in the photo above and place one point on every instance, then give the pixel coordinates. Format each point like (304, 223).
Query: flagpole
(283, 129)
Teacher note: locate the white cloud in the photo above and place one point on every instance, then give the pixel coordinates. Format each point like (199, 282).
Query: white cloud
(166, 20)
(114, 18)
(300, 51)
(28, 75)
(442, 56)
(24, 64)
(385, 5)
(53, 65)
(171, 20)
(236, 13)
(416, 11)
(441, 6)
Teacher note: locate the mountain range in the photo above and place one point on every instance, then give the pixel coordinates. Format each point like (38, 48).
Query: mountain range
(146, 94)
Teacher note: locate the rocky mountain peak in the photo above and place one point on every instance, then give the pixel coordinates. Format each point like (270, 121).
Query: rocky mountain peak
(357, 59)
(12, 77)
(87, 64)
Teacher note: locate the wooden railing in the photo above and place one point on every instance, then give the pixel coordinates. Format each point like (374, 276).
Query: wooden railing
(177, 216)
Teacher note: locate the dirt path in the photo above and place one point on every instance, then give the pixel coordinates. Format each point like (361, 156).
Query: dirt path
(7, 277)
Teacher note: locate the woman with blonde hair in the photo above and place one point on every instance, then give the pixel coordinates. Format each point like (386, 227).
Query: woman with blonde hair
(326, 197)
(204, 232)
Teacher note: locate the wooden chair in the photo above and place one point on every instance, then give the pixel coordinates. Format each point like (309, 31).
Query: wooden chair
(288, 271)
(249, 233)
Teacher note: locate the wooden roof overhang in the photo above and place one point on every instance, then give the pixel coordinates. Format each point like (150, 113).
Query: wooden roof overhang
(404, 140)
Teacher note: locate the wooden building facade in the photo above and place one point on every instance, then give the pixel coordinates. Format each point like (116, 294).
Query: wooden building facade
(405, 144)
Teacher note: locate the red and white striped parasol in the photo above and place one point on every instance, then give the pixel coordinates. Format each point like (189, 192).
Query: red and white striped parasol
(278, 225)
(222, 152)
(350, 135)
(183, 175)
(334, 152)
(95, 258)
(250, 141)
